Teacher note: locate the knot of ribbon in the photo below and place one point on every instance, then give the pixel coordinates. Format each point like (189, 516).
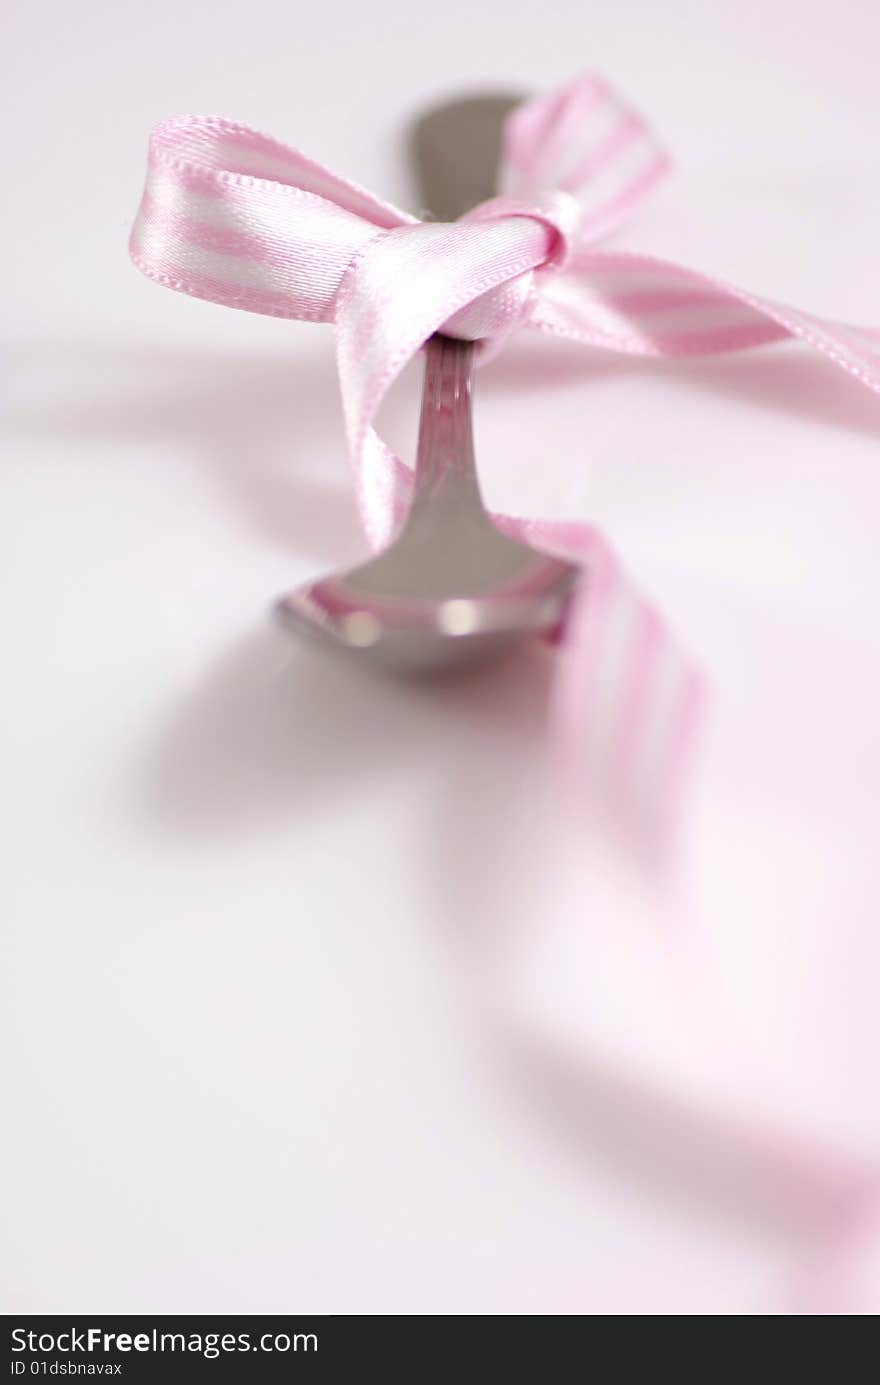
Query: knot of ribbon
(239, 218)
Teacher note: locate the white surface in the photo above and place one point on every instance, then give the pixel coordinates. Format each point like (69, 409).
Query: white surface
(281, 975)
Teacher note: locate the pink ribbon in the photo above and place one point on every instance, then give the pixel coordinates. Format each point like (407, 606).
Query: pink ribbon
(236, 217)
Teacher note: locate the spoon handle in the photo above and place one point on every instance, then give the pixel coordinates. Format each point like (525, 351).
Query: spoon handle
(445, 455)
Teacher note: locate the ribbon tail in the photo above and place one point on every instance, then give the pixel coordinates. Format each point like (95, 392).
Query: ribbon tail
(641, 305)
(628, 702)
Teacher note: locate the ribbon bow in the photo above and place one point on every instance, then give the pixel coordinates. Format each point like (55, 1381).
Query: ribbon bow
(239, 218)
(236, 217)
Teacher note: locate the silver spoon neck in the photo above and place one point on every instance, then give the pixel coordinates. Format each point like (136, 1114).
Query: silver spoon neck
(445, 456)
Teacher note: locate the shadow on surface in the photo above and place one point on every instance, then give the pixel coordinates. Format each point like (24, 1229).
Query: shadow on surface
(274, 732)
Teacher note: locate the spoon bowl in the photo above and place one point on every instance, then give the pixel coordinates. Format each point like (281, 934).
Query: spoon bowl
(429, 632)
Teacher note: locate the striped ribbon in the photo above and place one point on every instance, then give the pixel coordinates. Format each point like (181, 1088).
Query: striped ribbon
(236, 217)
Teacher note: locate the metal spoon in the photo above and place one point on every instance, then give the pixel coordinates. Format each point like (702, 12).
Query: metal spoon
(451, 588)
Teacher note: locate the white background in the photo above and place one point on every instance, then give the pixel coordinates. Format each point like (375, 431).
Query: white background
(291, 1020)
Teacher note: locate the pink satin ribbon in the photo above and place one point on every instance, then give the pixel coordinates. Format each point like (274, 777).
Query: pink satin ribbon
(236, 217)
(239, 218)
